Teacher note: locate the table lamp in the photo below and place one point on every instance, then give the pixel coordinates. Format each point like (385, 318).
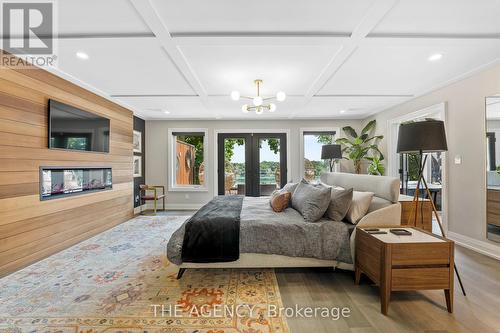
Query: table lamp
(331, 153)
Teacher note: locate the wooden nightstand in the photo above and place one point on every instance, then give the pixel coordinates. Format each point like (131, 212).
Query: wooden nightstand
(417, 262)
(424, 208)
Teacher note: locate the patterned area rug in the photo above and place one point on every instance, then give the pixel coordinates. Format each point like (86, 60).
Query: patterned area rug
(116, 280)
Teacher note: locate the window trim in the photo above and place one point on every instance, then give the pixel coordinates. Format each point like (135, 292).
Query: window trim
(171, 160)
(304, 131)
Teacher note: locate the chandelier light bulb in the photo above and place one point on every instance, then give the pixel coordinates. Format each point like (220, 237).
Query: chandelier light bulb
(257, 101)
(280, 96)
(244, 108)
(235, 95)
(272, 107)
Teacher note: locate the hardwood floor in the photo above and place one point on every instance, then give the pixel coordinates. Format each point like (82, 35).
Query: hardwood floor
(409, 311)
(422, 311)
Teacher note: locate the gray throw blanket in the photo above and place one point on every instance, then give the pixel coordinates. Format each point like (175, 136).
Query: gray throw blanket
(264, 231)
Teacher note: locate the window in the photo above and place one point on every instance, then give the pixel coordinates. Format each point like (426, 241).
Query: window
(313, 166)
(188, 167)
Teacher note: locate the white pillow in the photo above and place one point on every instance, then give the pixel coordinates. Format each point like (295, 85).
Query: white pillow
(359, 206)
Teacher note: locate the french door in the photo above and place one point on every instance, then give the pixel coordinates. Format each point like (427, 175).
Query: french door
(251, 164)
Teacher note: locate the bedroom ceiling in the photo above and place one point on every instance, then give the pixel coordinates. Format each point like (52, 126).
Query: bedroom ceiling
(333, 58)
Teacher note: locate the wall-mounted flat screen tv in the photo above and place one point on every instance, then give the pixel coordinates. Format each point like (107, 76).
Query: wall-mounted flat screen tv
(74, 129)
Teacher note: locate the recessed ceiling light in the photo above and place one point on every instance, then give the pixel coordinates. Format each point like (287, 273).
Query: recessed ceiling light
(435, 57)
(166, 112)
(82, 55)
(342, 111)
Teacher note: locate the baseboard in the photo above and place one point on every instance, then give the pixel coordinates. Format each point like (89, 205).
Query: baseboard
(177, 206)
(183, 206)
(137, 209)
(483, 247)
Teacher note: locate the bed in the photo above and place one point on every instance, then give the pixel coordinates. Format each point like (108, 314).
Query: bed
(268, 239)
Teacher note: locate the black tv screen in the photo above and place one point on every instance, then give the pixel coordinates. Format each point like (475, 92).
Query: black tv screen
(75, 129)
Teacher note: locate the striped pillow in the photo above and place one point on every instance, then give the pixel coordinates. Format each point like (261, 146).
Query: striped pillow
(279, 200)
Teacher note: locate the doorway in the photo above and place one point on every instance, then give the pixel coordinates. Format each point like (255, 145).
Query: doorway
(251, 164)
(405, 166)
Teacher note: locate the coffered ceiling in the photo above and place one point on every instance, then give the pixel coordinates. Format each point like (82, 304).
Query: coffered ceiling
(170, 59)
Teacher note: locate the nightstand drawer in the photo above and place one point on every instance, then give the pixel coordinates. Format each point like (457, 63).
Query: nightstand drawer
(420, 254)
(420, 278)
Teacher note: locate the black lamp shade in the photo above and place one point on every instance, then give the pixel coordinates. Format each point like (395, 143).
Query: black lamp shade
(422, 136)
(331, 152)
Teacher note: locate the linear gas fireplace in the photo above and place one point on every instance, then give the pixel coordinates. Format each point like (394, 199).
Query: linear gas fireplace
(58, 182)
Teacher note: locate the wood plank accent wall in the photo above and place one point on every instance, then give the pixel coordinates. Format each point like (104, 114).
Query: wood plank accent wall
(31, 229)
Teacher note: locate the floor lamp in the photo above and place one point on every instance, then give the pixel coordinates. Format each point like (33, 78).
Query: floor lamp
(332, 153)
(421, 137)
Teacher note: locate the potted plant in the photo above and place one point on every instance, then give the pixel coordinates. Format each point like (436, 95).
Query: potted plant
(376, 167)
(361, 147)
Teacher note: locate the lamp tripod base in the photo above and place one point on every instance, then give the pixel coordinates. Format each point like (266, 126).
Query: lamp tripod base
(416, 197)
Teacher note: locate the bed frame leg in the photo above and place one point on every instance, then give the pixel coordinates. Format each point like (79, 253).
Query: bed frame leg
(180, 273)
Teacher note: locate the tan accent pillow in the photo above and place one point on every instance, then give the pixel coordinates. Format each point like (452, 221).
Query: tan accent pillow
(280, 200)
(359, 206)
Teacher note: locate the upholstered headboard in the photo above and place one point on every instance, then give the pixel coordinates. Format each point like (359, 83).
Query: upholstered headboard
(383, 186)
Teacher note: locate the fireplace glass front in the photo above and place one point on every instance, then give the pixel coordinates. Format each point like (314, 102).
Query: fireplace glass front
(62, 182)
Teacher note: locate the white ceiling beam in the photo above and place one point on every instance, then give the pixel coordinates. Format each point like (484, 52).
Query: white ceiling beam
(295, 40)
(374, 15)
(151, 17)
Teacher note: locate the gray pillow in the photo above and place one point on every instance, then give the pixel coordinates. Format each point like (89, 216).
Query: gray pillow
(359, 206)
(289, 187)
(339, 204)
(311, 200)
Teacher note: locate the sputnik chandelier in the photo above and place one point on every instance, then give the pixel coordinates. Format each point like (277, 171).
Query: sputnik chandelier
(260, 104)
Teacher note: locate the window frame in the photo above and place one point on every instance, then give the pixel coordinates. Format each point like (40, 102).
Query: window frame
(172, 159)
(308, 130)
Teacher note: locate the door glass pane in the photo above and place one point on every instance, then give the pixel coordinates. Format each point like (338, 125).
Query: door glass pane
(234, 166)
(269, 165)
(409, 166)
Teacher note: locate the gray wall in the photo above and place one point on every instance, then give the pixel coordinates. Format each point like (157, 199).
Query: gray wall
(157, 143)
(465, 117)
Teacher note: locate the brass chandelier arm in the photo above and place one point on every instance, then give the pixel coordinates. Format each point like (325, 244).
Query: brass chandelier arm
(264, 103)
(264, 99)
(253, 108)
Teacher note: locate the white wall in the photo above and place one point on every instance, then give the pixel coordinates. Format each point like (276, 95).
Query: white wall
(465, 115)
(157, 143)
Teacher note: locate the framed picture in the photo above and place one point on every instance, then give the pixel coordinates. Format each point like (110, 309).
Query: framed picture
(137, 142)
(137, 166)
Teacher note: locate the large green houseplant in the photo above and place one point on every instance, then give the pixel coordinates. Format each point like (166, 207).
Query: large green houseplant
(362, 147)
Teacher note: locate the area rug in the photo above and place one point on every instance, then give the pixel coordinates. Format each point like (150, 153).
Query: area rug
(121, 281)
